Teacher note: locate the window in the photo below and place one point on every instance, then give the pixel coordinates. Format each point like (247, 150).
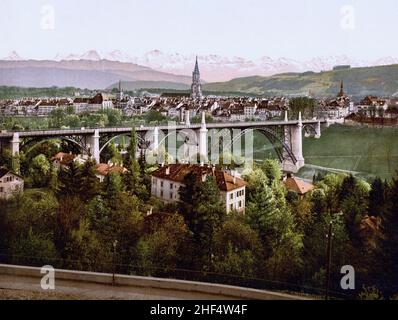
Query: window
(171, 195)
(161, 193)
(240, 204)
(1, 189)
(171, 186)
(231, 196)
(161, 183)
(231, 207)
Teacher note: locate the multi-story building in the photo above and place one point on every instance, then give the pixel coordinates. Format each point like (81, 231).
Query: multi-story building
(167, 181)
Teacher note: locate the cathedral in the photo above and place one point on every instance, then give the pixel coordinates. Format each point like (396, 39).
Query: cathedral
(196, 87)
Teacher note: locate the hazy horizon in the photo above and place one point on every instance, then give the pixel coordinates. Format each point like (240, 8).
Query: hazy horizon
(296, 30)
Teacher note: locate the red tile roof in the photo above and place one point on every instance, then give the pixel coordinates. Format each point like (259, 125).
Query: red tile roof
(103, 169)
(299, 186)
(177, 173)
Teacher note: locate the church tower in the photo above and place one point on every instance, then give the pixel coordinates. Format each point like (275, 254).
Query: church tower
(341, 93)
(196, 87)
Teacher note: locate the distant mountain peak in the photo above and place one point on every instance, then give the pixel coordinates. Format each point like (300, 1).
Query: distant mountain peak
(13, 56)
(91, 55)
(215, 67)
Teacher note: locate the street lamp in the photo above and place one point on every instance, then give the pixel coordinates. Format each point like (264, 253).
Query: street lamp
(114, 261)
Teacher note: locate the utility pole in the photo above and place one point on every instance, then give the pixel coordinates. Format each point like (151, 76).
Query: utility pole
(114, 261)
(329, 236)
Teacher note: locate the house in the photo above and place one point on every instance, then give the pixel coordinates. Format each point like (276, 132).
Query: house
(298, 186)
(103, 169)
(62, 159)
(10, 183)
(167, 180)
(100, 101)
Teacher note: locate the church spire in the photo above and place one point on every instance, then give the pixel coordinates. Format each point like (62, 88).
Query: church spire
(196, 70)
(196, 87)
(341, 93)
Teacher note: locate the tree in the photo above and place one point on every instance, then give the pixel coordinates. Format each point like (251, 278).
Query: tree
(388, 245)
(166, 247)
(202, 209)
(353, 203)
(302, 104)
(69, 180)
(154, 116)
(133, 178)
(272, 170)
(275, 224)
(377, 197)
(83, 251)
(237, 249)
(112, 186)
(89, 183)
(34, 249)
(40, 170)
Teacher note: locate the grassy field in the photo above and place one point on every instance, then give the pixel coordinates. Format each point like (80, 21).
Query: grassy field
(364, 151)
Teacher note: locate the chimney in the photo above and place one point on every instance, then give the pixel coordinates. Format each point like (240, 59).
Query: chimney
(234, 177)
(167, 170)
(204, 176)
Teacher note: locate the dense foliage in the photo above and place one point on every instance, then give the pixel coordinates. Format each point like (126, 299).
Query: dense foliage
(69, 219)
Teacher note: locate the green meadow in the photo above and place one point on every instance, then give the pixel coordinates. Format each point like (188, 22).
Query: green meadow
(364, 151)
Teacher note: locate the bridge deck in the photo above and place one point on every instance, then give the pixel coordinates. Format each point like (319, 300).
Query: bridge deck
(123, 130)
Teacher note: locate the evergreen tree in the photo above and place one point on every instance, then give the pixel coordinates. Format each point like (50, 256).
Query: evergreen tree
(89, 183)
(132, 179)
(69, 180)
(202, 209)
(112, 186)
(377, 198)
(389, 247)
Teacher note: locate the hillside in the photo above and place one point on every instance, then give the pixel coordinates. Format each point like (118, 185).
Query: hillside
(78, 73)
(358, 82)
(134, 85)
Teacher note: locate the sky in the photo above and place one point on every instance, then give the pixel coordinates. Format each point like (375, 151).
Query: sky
(298, 29)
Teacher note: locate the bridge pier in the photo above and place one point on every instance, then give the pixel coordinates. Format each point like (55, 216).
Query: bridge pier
(187, 119)
(155, 144)
(294, 137)
(318, 130)
(14, 144)
(94, 146)
(202, 140)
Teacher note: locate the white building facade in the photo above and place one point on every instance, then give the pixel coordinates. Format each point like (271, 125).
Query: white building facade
(167, 181)
(10, 184)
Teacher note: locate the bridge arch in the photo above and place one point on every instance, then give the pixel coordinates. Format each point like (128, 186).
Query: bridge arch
(139, 139)
(35, 142)
(281, 148)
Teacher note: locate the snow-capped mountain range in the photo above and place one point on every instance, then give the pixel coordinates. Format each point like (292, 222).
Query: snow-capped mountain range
(219, 68)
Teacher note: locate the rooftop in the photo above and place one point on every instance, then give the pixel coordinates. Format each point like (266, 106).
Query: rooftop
(177, 173)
